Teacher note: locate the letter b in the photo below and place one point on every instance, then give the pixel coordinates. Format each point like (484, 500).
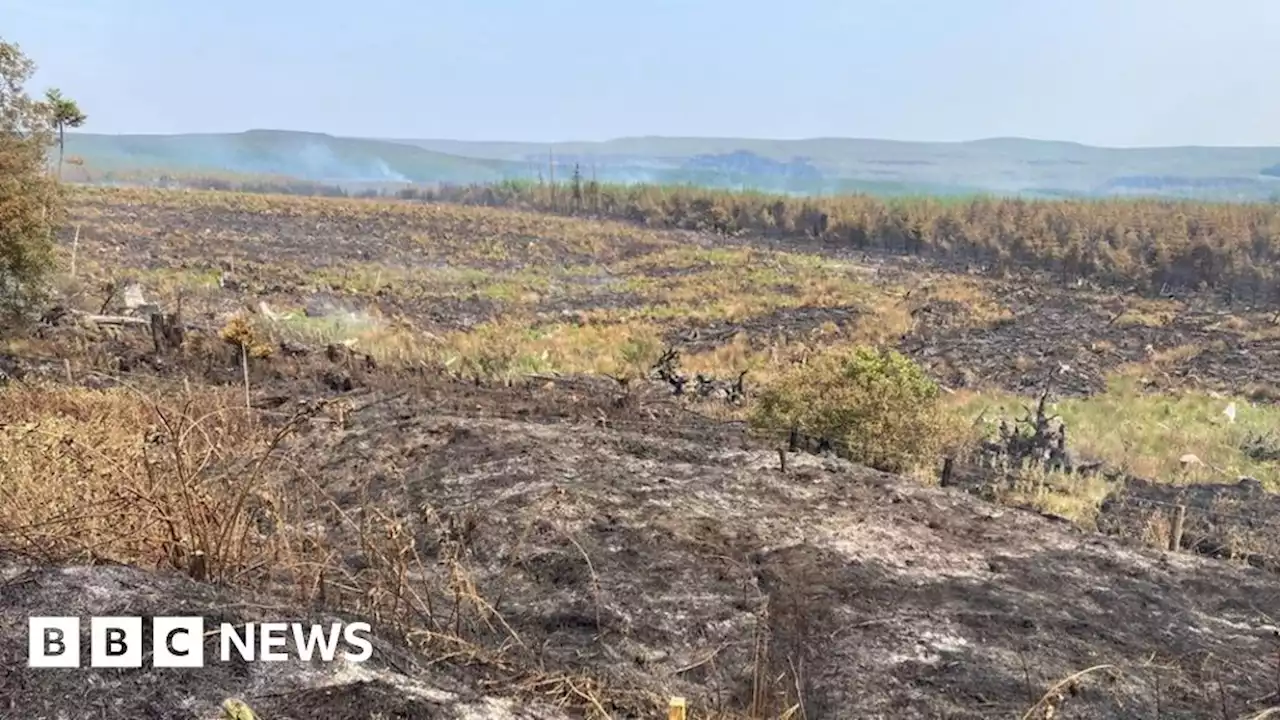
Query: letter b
(53, 642)
(115, 642)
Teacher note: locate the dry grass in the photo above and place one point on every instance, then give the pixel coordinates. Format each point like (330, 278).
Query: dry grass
(1074, 497)
(1147, 312)
(193, 481)
(1120, 242)
(123, 476)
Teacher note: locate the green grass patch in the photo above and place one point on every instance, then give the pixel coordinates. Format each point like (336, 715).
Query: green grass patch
(1147, 434)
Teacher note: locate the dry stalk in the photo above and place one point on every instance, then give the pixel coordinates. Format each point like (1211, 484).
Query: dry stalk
(75, 248)
(759, 662)
(244, 368)
(1049, 697)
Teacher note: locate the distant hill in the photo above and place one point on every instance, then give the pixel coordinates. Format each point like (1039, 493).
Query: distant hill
(998, 165)
(308, 156)
(1033, 168)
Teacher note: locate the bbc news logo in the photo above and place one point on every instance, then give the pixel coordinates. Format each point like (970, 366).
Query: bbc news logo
(178, 642)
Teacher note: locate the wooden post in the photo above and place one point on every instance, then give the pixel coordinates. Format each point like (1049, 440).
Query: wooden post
(782, 460)
(947, 468)
(198, 567)
(1175, 537)
(793, 441)
(159, 337)
(174, 335)
(675, 710)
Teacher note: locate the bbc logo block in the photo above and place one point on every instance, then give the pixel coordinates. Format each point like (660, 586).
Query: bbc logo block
(178, 642)
(116, 642)
(53, 642)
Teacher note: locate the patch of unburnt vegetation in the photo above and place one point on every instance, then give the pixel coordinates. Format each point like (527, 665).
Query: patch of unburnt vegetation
(876, 405)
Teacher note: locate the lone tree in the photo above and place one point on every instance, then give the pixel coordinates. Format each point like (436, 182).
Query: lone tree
(30, 197)
(66, 114)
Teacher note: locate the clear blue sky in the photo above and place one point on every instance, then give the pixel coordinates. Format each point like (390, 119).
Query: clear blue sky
(1108, 72)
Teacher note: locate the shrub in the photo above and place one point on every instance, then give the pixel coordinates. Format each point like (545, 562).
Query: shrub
(240, 333)
(877, 404)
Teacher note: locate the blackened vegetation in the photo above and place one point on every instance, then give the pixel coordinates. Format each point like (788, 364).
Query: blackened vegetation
(778, 326)
(1232, 521)
(667, 369)
(802, 442)
(1263, 447)
(1033, 441)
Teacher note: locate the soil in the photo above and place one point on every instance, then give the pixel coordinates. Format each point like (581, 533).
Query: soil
(1053, 328)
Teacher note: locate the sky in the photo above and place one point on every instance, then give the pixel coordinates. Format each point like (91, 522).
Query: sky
(1116, 73)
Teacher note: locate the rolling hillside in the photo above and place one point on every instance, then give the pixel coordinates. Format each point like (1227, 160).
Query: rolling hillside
(825, 165)
(308, 156)
(1001, 165)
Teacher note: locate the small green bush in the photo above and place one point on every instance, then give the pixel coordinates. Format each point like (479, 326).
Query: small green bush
(877, 403)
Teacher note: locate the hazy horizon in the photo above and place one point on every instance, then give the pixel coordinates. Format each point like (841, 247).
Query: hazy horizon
(1118, 74)
(505, 140)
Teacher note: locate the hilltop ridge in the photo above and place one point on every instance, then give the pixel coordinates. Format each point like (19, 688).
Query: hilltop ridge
(1005, 165)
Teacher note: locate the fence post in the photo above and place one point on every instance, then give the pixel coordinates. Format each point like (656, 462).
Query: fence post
(793, 441)
(1175, 537)
(158, 336)
(947, 469)
(782, 460)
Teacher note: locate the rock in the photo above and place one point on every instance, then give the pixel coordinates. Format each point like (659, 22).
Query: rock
(132, 296)
(267, 312)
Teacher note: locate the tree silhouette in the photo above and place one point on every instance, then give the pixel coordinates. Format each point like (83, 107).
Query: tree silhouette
(66, 114)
